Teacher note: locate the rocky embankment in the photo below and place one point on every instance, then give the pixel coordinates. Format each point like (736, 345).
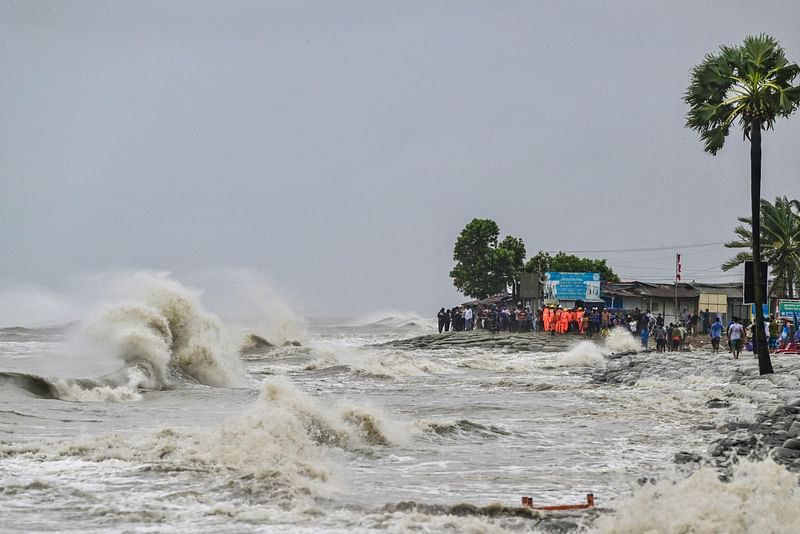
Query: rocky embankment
(776, 428)
(520, 342)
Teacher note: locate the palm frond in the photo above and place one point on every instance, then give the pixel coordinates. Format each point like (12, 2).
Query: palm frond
(737, 260)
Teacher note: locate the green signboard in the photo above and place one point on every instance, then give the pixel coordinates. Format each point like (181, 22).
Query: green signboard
(788, 308)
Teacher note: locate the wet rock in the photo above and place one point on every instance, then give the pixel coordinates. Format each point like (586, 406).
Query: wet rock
(718, 403)
(792, 443)
(254, 344)
(783, 453)
(687, 457)
(706, 426)
(737, 425)
(794, 429)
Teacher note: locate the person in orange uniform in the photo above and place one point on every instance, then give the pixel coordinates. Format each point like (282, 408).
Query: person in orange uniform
(564, 322)
(579, 318)
(557, 315)
(546, 318)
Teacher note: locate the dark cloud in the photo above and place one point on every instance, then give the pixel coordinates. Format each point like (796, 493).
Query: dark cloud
(340, 147)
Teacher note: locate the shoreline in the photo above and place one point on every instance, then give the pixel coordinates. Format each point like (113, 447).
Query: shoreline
(774, 431)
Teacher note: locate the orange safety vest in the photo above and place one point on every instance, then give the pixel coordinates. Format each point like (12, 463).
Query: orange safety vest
(563, 323)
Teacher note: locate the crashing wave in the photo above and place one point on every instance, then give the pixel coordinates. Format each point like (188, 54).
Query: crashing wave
(583, 354)
(278, 446)
(163, 336)
(760, 497)
(168, 337)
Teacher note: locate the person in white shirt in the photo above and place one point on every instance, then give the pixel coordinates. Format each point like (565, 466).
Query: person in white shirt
(735, 334)
(468, 318)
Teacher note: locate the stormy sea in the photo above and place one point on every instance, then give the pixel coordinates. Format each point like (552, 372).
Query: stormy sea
(152, 414)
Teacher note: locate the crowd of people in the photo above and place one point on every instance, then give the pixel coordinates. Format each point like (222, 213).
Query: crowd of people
(558, 320)
(492, 318)
(553, 319)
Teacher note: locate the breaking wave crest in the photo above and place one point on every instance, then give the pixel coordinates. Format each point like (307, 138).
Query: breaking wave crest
(168, 336)
(276, 447)
(78, 389)
(761, 497)
(160, 332)
(621, 340)
(461, 428)
(584, 354)
(344, 425)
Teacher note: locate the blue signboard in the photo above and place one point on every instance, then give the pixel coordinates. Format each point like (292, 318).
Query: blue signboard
(572, 286)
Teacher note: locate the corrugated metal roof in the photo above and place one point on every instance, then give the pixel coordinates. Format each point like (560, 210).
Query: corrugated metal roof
(642, 289)
(731, 289)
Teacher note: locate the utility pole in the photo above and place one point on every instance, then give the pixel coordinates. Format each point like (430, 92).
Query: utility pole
(677, 279)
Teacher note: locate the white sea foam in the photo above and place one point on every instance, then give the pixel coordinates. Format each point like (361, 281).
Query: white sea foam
(584, 354)
(762, 497)
(621, 340)
(75, 392)
(279, 445)
(161, 329)
(374, 362)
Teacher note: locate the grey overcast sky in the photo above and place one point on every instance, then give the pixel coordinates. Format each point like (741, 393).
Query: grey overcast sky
(338, 148)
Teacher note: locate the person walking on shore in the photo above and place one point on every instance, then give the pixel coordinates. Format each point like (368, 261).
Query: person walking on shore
(468, 318)
(441, 316)
(735, 334)
(716, 334)
(661, 339)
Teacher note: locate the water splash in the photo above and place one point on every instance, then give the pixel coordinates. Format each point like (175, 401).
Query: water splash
(761, 497)
(584, 354)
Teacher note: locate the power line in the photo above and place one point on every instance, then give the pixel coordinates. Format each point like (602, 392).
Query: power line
(725, 277)
(644, 249)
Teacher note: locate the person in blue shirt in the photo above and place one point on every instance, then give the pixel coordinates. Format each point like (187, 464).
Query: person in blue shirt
(716, 334)
(645, 334)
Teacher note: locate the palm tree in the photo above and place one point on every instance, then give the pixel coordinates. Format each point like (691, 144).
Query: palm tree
(752, 85)
(780, 243)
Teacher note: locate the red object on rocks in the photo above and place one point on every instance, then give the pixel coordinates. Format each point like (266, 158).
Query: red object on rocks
(527, 501)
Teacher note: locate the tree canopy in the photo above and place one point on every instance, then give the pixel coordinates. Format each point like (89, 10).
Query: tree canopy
(751, 84)
(569, 263)
(780, 243)
(485, 267)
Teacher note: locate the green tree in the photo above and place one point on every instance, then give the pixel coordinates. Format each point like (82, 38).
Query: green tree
(511, 259)
(780, 243)
(750, 84)
(485, 267)
(568, 263)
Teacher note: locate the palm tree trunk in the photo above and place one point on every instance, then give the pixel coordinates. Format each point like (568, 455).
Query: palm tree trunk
(764, 362)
